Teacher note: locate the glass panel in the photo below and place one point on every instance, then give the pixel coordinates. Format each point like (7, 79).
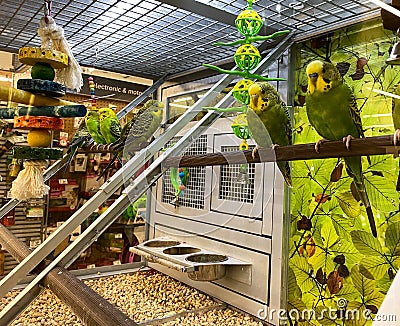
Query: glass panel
(333, 252)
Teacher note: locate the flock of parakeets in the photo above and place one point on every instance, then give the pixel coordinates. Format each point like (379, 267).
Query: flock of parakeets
(104, 128)
(332, 111)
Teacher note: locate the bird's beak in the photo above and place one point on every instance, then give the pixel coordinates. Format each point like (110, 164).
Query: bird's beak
(254, 98)
(311, 83)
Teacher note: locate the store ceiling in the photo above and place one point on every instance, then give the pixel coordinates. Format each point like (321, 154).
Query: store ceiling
(151, 38)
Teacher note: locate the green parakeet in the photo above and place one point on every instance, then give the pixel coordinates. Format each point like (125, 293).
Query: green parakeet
(142, 126)
(110, 128)
(332, 111)
(396, 123)
(139, 129)
(92, 121)
(269, 121)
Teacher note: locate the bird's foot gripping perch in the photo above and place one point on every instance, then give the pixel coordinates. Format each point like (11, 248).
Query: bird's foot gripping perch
(318, 144)
(396, 137)
(347, 141)
(254, 152)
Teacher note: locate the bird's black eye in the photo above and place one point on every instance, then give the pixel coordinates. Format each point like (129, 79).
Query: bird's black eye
(155, 110)
(326, 80)
(265, 99)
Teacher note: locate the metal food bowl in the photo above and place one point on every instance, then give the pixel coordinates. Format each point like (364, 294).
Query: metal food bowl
(161, 243)
(211, 270)
(181, 250)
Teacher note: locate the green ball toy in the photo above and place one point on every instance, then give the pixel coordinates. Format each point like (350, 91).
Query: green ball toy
(249, 22)
(241, 91)
(42, 70)
(247, 57)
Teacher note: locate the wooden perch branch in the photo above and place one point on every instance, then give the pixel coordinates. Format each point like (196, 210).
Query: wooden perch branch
(379, 145)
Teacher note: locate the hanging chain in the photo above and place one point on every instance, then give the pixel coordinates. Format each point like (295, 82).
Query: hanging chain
(47, 10)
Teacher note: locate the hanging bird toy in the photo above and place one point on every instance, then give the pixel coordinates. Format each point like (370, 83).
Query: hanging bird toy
(53, 70)
(247, 58)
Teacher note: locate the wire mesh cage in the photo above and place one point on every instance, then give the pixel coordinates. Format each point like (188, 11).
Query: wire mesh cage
(231, 187)
(194, 193)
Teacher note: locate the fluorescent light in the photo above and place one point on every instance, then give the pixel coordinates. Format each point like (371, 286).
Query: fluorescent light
(385, 6)
(389, 126)
(386, 93)
(377, 115)
(179, 105)
(6, 79)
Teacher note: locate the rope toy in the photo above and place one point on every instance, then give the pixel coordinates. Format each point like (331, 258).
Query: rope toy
(52, 37)
(29, 182)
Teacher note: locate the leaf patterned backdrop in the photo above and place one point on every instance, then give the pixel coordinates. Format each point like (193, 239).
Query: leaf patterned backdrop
(333, 255)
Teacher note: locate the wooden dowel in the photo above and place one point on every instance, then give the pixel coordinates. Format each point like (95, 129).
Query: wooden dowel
(379, 145)
(48, 111)
(19, 96)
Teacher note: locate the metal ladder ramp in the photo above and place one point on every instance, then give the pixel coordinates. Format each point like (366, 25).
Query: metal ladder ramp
(130, 194)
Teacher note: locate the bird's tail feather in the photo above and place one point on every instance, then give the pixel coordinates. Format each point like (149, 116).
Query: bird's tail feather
(71, 157)
(284, 167)
(364, 198)
(108, 166)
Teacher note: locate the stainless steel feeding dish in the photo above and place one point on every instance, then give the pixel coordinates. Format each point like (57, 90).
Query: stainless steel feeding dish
(208, 270)
(181, 250)
(199, 264)
(161, 243)
(207, 258)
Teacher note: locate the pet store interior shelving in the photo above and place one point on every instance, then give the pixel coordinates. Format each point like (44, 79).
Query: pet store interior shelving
(236, 241)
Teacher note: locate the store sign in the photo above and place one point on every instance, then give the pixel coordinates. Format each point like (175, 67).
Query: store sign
(105, 87)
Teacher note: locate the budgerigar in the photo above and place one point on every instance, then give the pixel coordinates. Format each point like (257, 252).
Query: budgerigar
(92, 120)
(110, 127)
(142, 125)
(396, 123)
(332, 111)
(137, 130)
(269, 121)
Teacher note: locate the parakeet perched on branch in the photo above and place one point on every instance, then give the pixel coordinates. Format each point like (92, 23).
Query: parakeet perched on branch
(110, 128)
(269, 121)
(332, 111)
(92, 121)
(137, 130)
(396, 123)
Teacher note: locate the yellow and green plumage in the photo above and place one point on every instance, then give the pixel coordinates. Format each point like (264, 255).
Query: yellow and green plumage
(110, 127)
(269, 121)
(142, 125)
(137, 130)
(332, 111)
(92, 122)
